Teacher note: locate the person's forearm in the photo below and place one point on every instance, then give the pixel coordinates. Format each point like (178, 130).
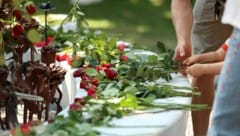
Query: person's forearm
(182, 19)
(208, 57)
(213, 68)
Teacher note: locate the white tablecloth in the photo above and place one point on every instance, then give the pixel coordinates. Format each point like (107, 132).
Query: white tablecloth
(167, 123)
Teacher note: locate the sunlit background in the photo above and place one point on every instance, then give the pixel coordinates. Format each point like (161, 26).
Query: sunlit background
(140, 22)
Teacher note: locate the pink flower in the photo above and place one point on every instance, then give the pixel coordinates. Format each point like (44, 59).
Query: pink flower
(17, 30)
(124, 58)
(30, 9)
(121, 46)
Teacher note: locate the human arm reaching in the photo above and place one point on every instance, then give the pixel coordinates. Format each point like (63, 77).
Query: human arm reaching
(214, 56)
(182, 20)
(197, 70)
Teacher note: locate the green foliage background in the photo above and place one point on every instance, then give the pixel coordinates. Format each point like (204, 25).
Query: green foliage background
(141, 22)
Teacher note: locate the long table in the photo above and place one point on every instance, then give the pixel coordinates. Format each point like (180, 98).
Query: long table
(165, 123)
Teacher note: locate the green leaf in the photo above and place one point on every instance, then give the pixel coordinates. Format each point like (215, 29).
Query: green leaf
(152, 58)
(131, 90)
(91, 71)
(111, 92)
(129, 101)
(60, 133)
(33, 35)
(85, 129)
(93, 62)
(140, 72)
(77, 62)
(131, 55)
(17, 132)
(149, 99)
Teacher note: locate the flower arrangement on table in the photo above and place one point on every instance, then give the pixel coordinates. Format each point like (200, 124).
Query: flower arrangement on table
(19, 32)
(117, 78)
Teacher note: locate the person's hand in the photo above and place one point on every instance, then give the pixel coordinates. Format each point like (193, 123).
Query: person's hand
(192, 60)
(182, 52)
(196, 70)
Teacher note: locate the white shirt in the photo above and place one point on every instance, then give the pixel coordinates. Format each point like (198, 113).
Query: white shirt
(231, 14)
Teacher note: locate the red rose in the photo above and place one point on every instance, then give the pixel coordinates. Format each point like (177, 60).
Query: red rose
(17, 14)
(98, 68)
(61, 57)
(17, 30)
(108, 65)
(50, 121)
(84, 77)
(80, 100)
(83, 84)
(78, 73)
(30, 9)
(25, 129)
(110, 74)
(121, 46)
(95, 81)
(43, 43)
(91, 91)
(75, 106)
(124, 58)
(69, 60)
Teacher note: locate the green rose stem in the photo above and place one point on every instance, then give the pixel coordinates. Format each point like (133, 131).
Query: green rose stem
(171, 91)
(176, 106)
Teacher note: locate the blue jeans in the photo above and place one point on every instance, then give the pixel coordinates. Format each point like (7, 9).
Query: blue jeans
(226, 107)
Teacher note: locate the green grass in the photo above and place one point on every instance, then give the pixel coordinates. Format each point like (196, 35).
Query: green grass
(141, 22)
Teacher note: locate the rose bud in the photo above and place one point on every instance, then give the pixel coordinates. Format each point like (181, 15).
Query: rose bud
(83, 84)
(25, 129)
(30, 9)
(91, 91)
(80, 100)
(75, 107)
(17, 14)
(17, 30)
(95, 81)
(124, 58)
(110, 74)
(121, 46)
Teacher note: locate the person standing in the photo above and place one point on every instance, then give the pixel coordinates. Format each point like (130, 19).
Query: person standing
(198, 32)
(226, 109)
